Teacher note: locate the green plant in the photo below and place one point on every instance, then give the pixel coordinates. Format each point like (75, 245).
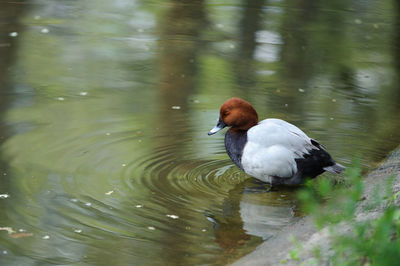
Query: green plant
(366, 241)
(295, 253)
(331, 203)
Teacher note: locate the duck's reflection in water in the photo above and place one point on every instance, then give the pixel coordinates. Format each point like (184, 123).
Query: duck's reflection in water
(253, 209)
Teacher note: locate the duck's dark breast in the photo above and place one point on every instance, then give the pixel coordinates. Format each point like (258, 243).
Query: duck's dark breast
(234, 144)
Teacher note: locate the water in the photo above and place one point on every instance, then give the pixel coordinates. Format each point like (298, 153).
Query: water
(105, 108)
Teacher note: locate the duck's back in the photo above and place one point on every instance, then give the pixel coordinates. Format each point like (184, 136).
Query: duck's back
(273, 131)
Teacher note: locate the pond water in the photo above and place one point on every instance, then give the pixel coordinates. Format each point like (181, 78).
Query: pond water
(105, 108)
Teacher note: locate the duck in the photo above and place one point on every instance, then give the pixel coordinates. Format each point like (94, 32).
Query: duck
(272, 150)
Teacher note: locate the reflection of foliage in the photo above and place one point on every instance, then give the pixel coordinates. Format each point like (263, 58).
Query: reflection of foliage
(355, 241)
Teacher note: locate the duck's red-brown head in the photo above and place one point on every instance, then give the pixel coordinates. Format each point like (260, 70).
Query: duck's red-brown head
(236, 113)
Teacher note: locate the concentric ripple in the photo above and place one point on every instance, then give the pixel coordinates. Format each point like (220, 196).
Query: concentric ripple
(149, 189)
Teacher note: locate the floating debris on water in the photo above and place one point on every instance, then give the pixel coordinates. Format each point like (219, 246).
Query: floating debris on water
(151, 228)
(13, 34)
(36, 17)
(83, 93)
(21, 235)
(74, 200)
(88, 204)
(139, 206)
(8, 229)
(109, 192)
(195, 101)
(60, 98)
(108, 134)
(232, 46)
(176, 107)
(301, 90)
(172, 216)
(331, 118)
(286, 105)
(44, 30)
(204, 230)
(46, 237)
(123, 165)
(334, 100)
(358, 21)
(5, 252)
(211, 219)
(78, 231)
(4, 196)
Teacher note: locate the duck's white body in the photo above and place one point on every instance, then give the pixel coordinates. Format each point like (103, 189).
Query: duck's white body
(271, 149)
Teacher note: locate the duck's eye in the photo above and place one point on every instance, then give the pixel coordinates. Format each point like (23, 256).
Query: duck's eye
(225, 113)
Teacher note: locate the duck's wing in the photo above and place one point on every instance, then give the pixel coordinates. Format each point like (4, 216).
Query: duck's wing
(273, 147)
(272, 131)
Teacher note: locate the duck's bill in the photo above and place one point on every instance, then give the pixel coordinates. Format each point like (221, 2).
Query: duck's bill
(220, 125)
